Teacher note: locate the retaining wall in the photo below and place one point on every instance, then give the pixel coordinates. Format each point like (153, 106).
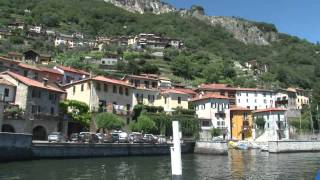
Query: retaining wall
(215, 148)
(15, 146)
(69, 150)
(293, 146)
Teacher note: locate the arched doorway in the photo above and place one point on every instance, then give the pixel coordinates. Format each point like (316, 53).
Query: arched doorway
(39, 133)
(7, 128)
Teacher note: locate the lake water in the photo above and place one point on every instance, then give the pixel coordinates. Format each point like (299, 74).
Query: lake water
(237, 165)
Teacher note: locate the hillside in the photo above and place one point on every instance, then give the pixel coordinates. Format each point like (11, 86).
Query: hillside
(213, 44)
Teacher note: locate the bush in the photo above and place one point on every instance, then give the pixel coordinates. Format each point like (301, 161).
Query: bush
(144, 124)
(216, 132)
(109, 121)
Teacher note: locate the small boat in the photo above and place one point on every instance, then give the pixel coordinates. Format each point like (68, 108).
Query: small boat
(242, 146)
(264, 148)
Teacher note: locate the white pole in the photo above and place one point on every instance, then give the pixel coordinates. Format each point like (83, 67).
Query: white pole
(176, 164)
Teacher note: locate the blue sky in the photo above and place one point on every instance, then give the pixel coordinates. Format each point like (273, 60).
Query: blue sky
(296, 17)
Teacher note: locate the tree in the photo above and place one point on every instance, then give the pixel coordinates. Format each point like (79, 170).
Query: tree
(144, 124)
(77, 111)
(109, 121)
(260, 122)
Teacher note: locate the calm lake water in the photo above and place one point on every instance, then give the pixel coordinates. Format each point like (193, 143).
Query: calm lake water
(237, 165)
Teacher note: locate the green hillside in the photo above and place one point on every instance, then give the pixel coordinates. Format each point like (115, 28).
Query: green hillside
(210, 51)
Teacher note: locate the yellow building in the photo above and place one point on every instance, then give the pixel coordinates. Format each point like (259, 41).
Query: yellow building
(241, 123)
(170, 99)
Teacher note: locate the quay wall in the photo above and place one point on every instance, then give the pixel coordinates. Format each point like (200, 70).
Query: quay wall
(214, 148)
(69, 150)
(293, 146)
(15, 146)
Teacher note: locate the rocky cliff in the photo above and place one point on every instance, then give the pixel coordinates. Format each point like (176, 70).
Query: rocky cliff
(245, 31)
(143, 6)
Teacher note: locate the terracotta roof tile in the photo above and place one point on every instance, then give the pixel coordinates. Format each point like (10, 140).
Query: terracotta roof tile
(173, 91)
(73, 70)
(238, 108)
(269, 110)
(112, 81)
(33, 83)
(210, 96)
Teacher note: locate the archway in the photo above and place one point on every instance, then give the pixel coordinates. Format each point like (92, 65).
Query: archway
(39, 133)
(7, 128)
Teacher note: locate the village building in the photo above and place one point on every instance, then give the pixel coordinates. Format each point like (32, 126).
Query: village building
(38, 103)
(35, 29)
(109, 60)
(64, 39)
(241, 123)
(102, 93)
(144, 81)
(71, 74)
(254, 99)
(213, 111)
(145, 40)
(7, 91)
(275, 126)
(4, 33)
(16, 25)
(30, 56)
(222, 89)
(171, 99)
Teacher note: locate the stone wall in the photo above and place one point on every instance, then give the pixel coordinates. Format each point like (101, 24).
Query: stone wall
(67, 150)
(293, 146)
(15, 146)
(217, 148)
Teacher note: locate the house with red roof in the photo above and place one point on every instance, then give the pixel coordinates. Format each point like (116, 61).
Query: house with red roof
(213, 111)
(71, 74)
(102, 94)
(7, 91)
(274, 125)
(40, 103)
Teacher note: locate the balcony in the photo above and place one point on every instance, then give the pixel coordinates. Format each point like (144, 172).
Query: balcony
(221, 114)
(44, 116)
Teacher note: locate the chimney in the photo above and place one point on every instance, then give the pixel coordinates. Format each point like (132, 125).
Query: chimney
(45, 81)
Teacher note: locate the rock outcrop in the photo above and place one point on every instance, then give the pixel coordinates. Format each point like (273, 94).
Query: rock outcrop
(245, 31)
(143, 6)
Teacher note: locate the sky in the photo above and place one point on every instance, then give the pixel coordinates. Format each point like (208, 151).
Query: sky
(296, 17)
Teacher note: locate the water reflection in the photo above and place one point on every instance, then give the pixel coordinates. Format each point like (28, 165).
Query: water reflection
(237, 165)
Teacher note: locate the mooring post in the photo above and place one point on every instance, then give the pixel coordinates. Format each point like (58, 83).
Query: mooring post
(176, 163)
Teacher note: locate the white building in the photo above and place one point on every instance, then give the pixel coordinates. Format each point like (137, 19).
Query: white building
(254, 98)
(213, 110)
(71, 75)
(66, 40)
(275, 127)
(36, 29)
(7, 91)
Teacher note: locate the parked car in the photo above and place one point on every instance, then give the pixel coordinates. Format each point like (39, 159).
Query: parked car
(135, 137)
(74, 137)
(162, 139)
(123, 137)
(88, 137)
(100, 137)
(115, 136)
(150, 138)
(107, 138)
(56, 137)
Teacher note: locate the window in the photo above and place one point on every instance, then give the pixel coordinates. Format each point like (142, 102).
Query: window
(82, 87)
(52, 111)
(205, 123)
(35, 109)
(213, 105)
(127, 91)
(248, 107)
(36, 93)
(146, 83)
(165, 100)
(114, 89)
(222, 93)
(98, 86)
(203, 106)
(154, 84)
(74, 89)
(247, 100)
(238, 100)
(36, 76)
(25, 73)
(255, 94)
(120, 90)
(255, 108)
(6, 92)
(264, 94)
(255, 101)
(227, 106)
(265, 101)
(179, 100)
(238, 94)
(247, 94)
